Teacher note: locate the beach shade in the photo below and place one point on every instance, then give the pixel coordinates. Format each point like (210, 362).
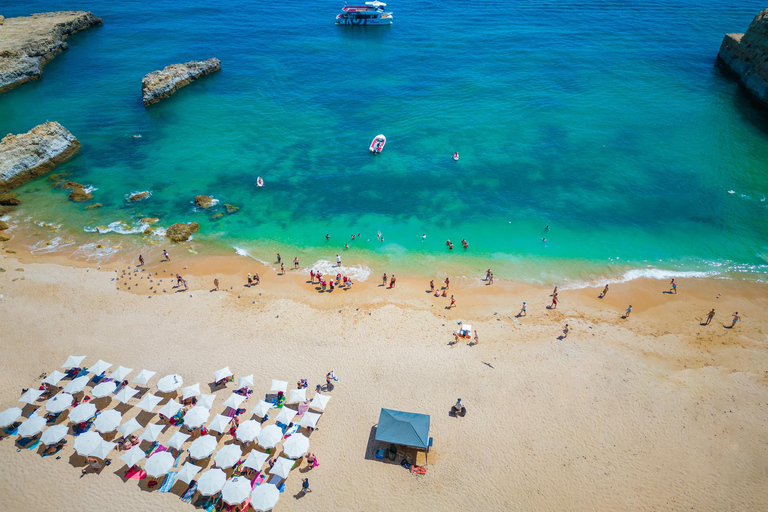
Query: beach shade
(228, 456)
(9, 416)
(264, 497)
(248, 430)
(77, 385)
(54, 378)
(286, 415)
(176, 440)
(107, 421)
(31, 396)
(222, 374)
(102, 450)
(190, 391)
(406, 428)
(152, 432)
(58, 403)
(170, 409)
(203, 447)
(149, 402)
(54, 434)
(244, 382)
(211, 482)
(220, 423)
(120, 373)
(99, 367)
(206, 401)
(73, 362)
(133, 456)
(319, 402)
(159, 464)
(296, 446)
(262, 408)
(104, 389)
(129, 427)
(196, 416)
(256, 460)
(234, 401)
(236, 490)
(282, 467)
(309, 419)
(143, 377)
(279, 385)
(82, 413)
(33, 425)
(169, 383)
(297, 395)
(87, 443)
(188, 472)
(125, 394)
(269, 436)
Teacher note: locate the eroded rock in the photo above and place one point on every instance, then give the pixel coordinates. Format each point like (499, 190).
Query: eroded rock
(181, 232)
(204, 201)
(746, 57)
(79, 195)
(160, 84)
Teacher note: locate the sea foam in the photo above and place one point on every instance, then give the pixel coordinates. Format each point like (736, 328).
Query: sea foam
(638, 273)
(357, 273)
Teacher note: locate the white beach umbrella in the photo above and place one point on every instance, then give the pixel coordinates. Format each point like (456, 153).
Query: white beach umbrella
(196, 416)
(256, 460)
(286, 415)
(73, 362)
(133, 456)
(211, 482)
(99, 367)
(54, 378)
(58, 403)
(264, 497)
(149, 402)
(296, 446)
(222, 374)
(319, 401)
(188, 472)
(234, 401)
(203, 447)
(220, 423)
(279, 385)
(107, 421)
(248, 430)
(143, 377)
(87, 443)
(82, 412)
(297, 395)
(9, 416)
(170, 409)
(309, 419)
(282, 467)
(33, 425)
(262, 408)
(190, 391)
(227, 456)
(104, 389)
(125, 394)
(269, 436)
(177, 439)
(31, 396)
(102, 450)
(169, 383)
(236, 490)
(120, 373)
(152, 432)
(54, 434)
(129, 427)
(159, 464)
(77, 385)
(206, 401)
(244, 382)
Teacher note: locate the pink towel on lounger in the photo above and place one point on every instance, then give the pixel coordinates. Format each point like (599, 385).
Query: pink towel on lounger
(302, 409)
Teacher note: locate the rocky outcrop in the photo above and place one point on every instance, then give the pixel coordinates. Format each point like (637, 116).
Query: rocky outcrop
(32, 154)
(231, 208)
(204, 201)
(746, 56)
(79, 195)
(161, 84)
(3, 225)
(138, 196)
(94, 206)
(181, 232)
(9, 200)
(27, 43)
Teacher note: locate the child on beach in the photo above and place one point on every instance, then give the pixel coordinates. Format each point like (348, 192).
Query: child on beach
(250, 279)
(165, 253)
(523, 310)
(628, 311)
(453, 302)
(565, 331)
(141, 260)
(710, 316)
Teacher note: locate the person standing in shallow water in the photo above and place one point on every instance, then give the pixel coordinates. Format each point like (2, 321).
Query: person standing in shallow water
(384, 279)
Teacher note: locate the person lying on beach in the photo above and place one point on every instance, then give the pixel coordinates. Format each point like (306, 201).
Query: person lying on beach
(55, 448)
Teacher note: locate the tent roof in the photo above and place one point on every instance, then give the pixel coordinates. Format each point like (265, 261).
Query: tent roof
(406, 428)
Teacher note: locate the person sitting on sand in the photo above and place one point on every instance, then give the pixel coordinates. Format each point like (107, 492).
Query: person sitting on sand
(55, 448)
(459, 409)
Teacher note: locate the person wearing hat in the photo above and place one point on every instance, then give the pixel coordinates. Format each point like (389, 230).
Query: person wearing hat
(459, 409)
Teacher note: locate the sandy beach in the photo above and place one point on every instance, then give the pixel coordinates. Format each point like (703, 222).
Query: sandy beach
(653, 412)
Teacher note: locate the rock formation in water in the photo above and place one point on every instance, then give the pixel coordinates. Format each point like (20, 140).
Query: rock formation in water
(746, 56)
(139, 196)
(204, 201)
(32, 154)
(27, 43)
(181, 232)
(79, 195)
(161, 84)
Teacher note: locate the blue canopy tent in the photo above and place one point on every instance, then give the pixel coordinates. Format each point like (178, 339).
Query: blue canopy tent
(405, 428)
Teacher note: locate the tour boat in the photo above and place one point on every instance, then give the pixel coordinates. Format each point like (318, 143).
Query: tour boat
(372, 13)
(377, 144)
(456, 155)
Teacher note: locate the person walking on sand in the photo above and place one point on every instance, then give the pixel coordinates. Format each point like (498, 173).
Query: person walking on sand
(141, 260)
(710, 316)
(392, 281)
(605, 292)
(523, 310)
(736, 318)
(186, 285)
(296, 262)
(490, 281)
(216, 283)
(554, 292)
(256, 278)
(312, 276)
(554, 302)
(282, 269)
(628, 311)
(453, 302)
(432, 286)
(674, 286)
(477, 338)
(447, 283)
(488, 275)
(305, 486)
(250, 279)
(565, 331)
(338, 261)
(165, 253)
(384, 280)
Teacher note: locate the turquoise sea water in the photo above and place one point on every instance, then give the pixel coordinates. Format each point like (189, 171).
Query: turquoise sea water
(606, 121)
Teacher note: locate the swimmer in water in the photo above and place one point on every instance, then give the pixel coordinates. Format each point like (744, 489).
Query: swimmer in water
(423, 237)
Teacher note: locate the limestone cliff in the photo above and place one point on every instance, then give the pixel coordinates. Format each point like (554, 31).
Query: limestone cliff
(32, 154)
(27, 43)
(746, 55)
(161, 84)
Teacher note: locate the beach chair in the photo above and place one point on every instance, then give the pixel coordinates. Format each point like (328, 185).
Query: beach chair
(278, 482)
(257, 481)
(178, 458)
(151, 448)
(170, 479)
(212, 505)
(24, 442)
(187, 496)
(10, 430)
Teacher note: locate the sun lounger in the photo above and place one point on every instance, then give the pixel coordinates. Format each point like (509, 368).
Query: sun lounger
(178, 458)
(10, 431)
(212, 505)
(45, 454)
(151, 448)
(294, 428)
(170, 479)
(24, 442)
(136, 474)
(187, 496)
(34, 445)
(278, 482)
(257, 481)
